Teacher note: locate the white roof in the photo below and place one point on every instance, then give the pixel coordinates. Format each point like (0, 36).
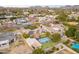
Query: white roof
(56, 28)
(31, 40)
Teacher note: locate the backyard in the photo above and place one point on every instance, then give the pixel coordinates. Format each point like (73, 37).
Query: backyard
(48, 45)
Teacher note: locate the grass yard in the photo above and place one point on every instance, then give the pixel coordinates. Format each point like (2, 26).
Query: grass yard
(30, 27)
(48, 45)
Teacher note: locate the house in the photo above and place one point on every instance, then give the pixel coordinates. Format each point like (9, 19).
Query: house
(6, 39)
(20, 21)
(36, 35)
(2, 17)
(33, 43)
(57, 28)
(31, 32)
(47, 18)
(9, 16)
(73, 16)
(9, 24)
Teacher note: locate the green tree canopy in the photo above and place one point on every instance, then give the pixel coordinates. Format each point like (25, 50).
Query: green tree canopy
(77, 35)
(12, 18)
(26, 35)
(46, 34)
(38, 51)
(62, 16)
(55, 37)
(30, 27)
(70, 32)
(78, 19)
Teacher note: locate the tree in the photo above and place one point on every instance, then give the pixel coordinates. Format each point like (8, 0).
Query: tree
(54, 48)
(67, 42)
(77, 35)
(12, 18)
(78, 19)
(72, 19)
(62, 17)
(38, 51)
(1, 22)
(70, 32)
(26, 35)
(30, 27)
(55, 37)
(46, 34)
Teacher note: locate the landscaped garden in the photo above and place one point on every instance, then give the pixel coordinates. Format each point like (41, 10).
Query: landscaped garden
(54, 39)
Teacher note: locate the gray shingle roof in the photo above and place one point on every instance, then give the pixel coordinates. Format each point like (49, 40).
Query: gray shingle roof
(7, 36)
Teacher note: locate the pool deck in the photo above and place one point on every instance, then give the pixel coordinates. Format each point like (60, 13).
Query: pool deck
(65, 50)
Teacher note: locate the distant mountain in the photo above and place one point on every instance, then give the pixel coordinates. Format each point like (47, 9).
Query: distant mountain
(71, 7)
(46, 7)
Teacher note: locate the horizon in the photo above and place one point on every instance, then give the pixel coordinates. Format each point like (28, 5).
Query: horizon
(50, 6)
(37, 6)
(24, 3)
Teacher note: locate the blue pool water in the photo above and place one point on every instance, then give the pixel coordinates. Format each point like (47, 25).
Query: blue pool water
(75, 46)
(44, 40)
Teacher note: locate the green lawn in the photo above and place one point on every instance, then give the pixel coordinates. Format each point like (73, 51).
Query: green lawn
(48, 45)
(30, 27)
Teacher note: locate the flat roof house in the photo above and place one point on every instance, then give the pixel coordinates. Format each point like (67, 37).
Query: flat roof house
(32, 42)
(20, 20)
(55, 28)
(6, 39)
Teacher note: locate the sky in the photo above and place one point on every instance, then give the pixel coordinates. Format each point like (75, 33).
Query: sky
(27, 3)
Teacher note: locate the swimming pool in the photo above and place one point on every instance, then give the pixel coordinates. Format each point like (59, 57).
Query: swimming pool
(75, 46)
(44, 40)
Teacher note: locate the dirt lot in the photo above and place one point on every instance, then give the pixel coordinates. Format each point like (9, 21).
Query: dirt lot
(21, 49)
